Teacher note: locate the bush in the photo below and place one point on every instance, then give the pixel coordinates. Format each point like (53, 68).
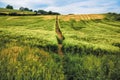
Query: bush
(112, 16)
(3, 14)
(13, 14)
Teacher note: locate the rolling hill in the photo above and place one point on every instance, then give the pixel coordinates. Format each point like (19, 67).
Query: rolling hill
(9, 11)
(28, 48)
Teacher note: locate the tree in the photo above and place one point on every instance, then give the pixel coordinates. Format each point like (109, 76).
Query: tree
(112, 16)
(26, 9)
(35, 12)
(42, 12)
(55, 13)
(9, 7)
(31, 10)
(21, 8)
(50, 12)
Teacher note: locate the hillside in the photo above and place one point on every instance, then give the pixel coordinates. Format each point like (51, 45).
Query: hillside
(8, 11)
(29, 48)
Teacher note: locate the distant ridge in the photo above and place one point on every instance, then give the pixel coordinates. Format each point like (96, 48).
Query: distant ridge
(4, 11)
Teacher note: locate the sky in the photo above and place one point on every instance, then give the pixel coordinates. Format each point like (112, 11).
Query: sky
(67, 6)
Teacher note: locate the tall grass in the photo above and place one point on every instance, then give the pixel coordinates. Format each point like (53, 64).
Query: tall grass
(90, 67)
(30, 63)
(28, 48)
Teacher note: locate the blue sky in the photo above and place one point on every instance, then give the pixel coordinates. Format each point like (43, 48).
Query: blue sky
(67, 6)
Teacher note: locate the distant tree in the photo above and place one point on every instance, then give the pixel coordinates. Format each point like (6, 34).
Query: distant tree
(9, 7)
(55, 13)
(42, 12)
(35, 12)
(112, 16)
(26, 9)
(50, 12)
(31, 10)
(21, 8)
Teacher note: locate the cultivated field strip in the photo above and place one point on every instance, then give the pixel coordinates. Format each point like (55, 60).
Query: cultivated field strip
(74, 17)
(81, 17)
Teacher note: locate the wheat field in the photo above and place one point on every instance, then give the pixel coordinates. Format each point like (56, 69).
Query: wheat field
(28, 48)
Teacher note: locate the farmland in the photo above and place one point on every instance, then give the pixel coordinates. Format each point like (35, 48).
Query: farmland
(28, 48)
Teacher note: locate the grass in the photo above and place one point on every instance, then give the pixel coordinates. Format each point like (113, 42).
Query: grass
(28, 48)
(24, 62)
(91, 34)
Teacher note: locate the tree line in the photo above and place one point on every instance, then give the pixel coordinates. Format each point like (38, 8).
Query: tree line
(112, 16)
(36, 12)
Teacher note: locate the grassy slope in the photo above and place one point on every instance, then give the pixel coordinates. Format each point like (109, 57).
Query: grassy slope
(23, 38)
(7, 11)
(94, 35)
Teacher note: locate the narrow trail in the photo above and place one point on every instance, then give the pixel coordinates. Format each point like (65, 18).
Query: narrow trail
(59, 36)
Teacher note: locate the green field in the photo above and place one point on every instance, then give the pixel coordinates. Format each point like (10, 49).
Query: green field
(28, 48)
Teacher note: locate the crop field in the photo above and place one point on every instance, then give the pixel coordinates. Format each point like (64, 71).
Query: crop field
(29, 48)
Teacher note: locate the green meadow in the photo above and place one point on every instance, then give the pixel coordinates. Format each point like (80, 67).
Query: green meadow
(28, 49)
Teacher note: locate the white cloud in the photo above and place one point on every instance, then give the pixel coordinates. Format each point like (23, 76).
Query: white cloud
(78, 7)
(27, 3)
(86, 7)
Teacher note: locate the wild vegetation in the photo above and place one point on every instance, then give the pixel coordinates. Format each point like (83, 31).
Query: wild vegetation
(28, 48)
(113, 16)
